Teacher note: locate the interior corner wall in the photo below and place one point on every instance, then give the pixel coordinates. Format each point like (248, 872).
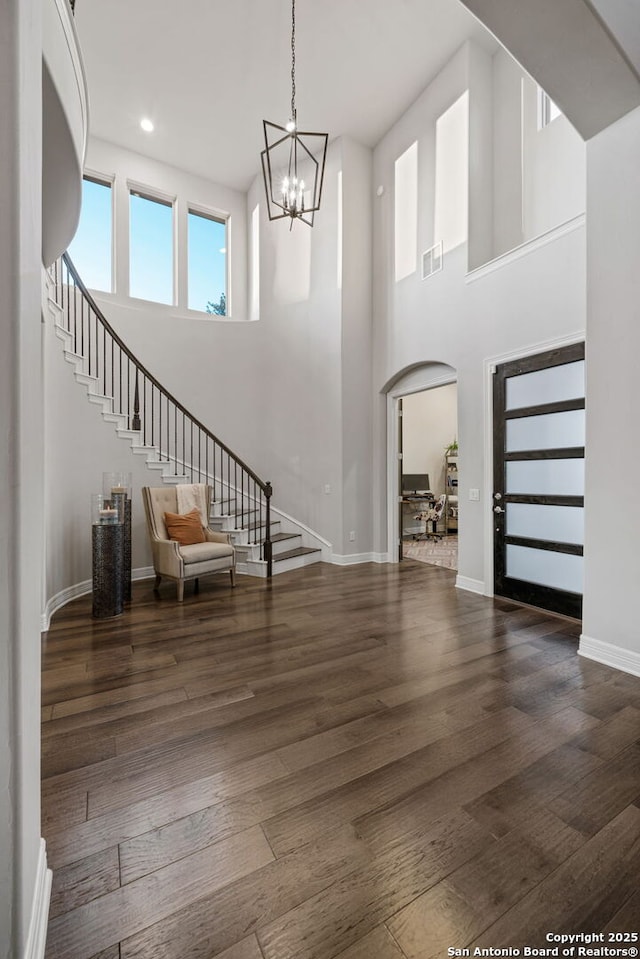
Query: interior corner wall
(610, 613)
(553, 168)
(507, 153)
(297, 361)
(538, 174)
(481, 200)
(21, 467)
(356, 349)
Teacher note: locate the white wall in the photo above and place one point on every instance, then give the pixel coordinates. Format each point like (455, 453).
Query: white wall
(79, 446)
(462, 320)
(21, 468)
(613, 393)
(507, 153)
(9, 798)
(356, 349)
(481, 160)
(429, 425)
(554, 168)
(539, 176)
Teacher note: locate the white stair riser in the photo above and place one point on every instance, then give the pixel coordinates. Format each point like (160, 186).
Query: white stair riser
(240, 537)
(285, 545)
(259, 567)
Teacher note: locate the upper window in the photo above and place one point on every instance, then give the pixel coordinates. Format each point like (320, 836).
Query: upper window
(91, 247)
(151, 257)
(207, 268)
(406, 212)
(254, 311)
(547, 110)
(451, 213)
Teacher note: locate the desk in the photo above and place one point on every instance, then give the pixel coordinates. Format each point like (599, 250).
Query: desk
(412, 504)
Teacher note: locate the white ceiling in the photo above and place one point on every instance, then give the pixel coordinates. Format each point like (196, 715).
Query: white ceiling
(207, 72)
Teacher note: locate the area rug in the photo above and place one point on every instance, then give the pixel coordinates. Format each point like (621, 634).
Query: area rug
(444, 552)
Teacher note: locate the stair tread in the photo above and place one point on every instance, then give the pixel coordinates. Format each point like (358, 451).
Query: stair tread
(279, 537)
(290, 553)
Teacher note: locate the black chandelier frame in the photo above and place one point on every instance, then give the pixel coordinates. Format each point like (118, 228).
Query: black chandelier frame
(293, 147)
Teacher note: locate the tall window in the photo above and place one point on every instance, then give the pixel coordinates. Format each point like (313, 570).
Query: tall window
(207, 239)
(451, 215)
(254, 312)
(150, 248)
(406, 212)
(91, 247)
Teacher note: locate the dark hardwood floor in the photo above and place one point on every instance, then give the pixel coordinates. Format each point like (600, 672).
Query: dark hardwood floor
(358, 762)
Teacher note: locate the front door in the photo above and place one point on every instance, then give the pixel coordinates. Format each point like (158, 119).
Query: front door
(538, 468)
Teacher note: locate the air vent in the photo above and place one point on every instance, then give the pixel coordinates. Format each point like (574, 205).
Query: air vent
(432, 260)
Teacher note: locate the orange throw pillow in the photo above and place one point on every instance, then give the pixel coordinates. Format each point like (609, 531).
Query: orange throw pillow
(185, 528)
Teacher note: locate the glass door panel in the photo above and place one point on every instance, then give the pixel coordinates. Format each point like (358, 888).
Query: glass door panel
(562, 524)
(545, 568)
(551, 385)
(550, 431)
(545, 477)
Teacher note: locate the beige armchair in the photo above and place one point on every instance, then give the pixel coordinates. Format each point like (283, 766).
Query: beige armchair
(178, 562)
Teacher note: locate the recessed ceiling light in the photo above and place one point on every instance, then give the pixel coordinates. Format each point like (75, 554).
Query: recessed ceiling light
(146, 125)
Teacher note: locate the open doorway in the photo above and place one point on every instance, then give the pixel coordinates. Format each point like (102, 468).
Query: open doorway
(428, 431)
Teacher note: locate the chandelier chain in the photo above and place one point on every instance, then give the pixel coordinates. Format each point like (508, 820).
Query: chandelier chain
(293, 60)
(284, 180)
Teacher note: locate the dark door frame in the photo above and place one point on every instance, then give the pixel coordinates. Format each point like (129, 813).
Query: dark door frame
(553, 599)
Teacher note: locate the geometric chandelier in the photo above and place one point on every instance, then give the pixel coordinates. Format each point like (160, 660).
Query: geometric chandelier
(293, 161)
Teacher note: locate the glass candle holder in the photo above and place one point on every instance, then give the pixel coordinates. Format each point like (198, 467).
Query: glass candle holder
(104, 511)
(115, 483)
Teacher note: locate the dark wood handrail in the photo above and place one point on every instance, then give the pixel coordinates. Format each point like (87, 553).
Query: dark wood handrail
(152, 379)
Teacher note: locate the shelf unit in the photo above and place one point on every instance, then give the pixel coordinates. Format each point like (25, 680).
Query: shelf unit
(451, 489)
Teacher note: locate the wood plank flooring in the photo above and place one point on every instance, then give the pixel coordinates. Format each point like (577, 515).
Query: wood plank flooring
(343, 763)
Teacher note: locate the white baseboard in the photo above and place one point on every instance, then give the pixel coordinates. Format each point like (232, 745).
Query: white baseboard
(626, 660)
(353, 559)
(471, 585)
(65, 596)
(37, 936)
(61, 599)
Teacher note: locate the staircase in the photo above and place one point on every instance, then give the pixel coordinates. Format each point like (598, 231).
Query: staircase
(174, 444)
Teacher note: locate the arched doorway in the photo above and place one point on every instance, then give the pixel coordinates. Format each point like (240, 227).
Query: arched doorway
(409, 381)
